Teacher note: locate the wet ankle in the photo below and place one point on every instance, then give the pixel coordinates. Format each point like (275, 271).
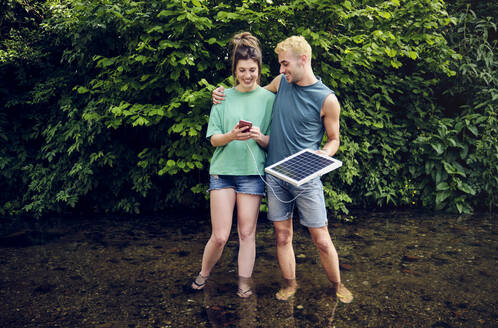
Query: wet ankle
(290, 282)
(245, 282)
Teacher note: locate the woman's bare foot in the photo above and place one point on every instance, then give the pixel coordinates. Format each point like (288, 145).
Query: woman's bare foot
(199, 282)
(245, 287)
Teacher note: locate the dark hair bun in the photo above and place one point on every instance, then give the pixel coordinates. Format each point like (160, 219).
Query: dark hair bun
(245, 39)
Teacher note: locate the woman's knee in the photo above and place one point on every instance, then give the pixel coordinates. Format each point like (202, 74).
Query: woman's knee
(247, 235)
(219, 240)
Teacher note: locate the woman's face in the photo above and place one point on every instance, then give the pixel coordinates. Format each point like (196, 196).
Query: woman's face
(247, 73)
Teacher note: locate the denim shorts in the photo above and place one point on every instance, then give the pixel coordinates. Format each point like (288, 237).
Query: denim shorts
(244, 184)
(310, 202)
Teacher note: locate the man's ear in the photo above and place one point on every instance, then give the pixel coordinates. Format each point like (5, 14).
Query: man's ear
(303, 59)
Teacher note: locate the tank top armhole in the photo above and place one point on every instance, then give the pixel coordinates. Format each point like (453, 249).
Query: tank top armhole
(282, 78)
(325, 97)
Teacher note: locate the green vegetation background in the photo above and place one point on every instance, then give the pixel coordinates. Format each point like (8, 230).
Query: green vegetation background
(104, 103)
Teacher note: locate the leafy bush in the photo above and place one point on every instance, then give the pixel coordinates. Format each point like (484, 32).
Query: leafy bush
(105, 103)
(460, 150)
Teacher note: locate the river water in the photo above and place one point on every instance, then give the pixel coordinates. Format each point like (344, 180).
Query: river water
(405, 269)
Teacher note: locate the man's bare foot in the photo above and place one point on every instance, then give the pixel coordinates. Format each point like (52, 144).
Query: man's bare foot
(287, 292)
(343, 294)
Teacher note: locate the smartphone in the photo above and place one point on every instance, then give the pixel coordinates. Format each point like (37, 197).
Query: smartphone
(243, 123)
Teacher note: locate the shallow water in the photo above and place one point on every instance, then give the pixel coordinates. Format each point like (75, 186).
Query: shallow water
(405, 269)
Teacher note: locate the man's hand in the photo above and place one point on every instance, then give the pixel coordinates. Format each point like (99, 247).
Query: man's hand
(322, 152)
(218, 95)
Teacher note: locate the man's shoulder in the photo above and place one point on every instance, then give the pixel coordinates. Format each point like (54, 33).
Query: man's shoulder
(331, 105)
(323, 86)
(331, 98)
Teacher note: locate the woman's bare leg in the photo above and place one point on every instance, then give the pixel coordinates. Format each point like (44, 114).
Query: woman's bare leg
(222, 202)
(247, 218)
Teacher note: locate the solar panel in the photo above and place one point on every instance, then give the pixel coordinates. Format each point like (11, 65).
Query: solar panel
(303, 166)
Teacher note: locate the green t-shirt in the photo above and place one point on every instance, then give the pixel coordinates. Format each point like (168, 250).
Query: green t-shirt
(234, 158)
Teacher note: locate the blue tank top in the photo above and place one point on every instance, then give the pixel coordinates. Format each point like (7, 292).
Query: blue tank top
(296, 122)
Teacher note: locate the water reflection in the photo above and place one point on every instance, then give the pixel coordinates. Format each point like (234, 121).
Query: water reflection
(241, 312)
(317, 309)
(405, 270)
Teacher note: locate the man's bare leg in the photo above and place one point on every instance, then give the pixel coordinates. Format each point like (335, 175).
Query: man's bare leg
(330, 261)
(286, 258)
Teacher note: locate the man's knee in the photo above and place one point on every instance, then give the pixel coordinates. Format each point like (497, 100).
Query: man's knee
(284, 237)
(322, 241)
(324, 244)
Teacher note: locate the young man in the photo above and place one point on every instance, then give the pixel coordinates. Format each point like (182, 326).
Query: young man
(303, 111)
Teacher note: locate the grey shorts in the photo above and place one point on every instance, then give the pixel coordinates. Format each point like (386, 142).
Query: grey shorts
(310, 202)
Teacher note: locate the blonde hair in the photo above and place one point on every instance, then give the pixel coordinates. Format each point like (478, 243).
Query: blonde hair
(245, 46)
(296, 44)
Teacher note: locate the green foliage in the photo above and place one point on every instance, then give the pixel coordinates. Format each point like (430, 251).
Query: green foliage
(464, 159)
(105, 103)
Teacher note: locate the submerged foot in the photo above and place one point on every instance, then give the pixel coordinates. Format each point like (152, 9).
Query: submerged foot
(285, 293)
(199, 282)
(245, 293)
(245, 287)
(343, 294)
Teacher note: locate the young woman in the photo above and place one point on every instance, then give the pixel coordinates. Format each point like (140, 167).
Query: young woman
(238, 159)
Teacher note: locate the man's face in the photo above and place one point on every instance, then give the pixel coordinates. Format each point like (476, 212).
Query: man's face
(290, 65)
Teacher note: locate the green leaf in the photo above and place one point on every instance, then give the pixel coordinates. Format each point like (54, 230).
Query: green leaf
(453, 169)
(140, 121)
(438, 148)
(347, 5)
(396, 63)
(390, 52)
(211, 40)
(442, 196)
(165, 13)
(82, 90)
(473, 129)
(466, 188)
(442, 186)
(464, 151)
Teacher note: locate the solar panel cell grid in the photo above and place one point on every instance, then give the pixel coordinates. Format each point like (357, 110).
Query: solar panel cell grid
(303, 166)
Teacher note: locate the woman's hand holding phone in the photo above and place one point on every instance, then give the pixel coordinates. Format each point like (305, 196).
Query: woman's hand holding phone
(243, 124)
(241, 131)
